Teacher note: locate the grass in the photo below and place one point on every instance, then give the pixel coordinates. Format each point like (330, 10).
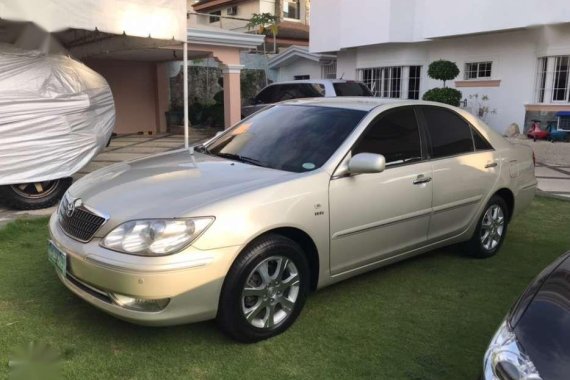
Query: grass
(430, 317)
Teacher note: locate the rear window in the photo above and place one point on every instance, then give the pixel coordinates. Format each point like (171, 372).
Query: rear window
(351, 89)
(298, 91)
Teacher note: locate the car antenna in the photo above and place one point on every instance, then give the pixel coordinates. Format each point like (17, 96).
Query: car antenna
(342, 76)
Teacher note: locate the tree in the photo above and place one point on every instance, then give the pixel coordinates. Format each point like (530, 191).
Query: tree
(443, 70)
(263, 22)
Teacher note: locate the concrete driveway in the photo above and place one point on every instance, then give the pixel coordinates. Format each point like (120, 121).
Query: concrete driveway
(552, 166)
(122, 148)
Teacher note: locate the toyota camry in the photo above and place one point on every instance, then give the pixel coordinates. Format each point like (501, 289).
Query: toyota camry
(294, 198)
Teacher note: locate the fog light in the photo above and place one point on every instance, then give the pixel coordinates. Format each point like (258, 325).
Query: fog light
(139, 304)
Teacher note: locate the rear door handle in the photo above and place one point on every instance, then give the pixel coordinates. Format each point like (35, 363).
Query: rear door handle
(421, 179)
(491, 165)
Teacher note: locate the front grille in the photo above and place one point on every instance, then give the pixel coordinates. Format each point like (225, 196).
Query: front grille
(82, 224)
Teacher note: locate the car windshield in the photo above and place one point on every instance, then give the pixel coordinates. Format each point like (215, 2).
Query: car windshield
(294, 138)
(351, 89)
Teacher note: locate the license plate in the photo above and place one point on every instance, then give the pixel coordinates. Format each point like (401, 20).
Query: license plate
(57, 258)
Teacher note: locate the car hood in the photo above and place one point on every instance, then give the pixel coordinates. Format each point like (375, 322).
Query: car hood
(169, 185)
(543, 328)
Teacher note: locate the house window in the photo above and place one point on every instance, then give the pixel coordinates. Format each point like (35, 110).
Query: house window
(541, 79)
(292, 9)
(328, 70)
(553, 79)
(560, 91)
(393, 82)
(302, 77)
(215, 16)
(414, 82)
(478, 70)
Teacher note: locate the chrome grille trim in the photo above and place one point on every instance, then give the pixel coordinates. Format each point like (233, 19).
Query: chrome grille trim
(97, 293)
(83, 222)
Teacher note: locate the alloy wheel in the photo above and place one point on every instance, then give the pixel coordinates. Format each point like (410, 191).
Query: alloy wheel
(270, 292)
(492, 227)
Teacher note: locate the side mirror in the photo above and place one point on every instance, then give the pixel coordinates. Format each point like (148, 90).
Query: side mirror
(367, 163)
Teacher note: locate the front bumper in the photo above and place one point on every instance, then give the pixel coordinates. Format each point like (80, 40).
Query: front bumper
(191, 279)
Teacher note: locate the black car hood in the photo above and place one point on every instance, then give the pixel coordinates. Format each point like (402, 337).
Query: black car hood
(542, 323)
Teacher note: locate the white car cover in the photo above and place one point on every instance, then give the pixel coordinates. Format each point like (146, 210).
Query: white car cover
(56, 114)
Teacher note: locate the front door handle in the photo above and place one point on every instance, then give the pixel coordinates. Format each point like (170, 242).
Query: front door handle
(491, 165)
(421, 179)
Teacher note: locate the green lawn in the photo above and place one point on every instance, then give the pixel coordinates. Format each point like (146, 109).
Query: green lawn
(426, 318)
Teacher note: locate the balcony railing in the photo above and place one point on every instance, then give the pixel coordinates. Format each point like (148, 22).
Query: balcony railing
(237, 24)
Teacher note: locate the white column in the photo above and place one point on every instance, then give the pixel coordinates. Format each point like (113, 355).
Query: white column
(185, 75)
(404, 82)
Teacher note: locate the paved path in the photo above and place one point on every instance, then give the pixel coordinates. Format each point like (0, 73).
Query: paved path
(552, 166)
(121, 149)
(552, 169)
(553, 180)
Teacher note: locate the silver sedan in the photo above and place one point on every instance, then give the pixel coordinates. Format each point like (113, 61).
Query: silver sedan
(296, 197)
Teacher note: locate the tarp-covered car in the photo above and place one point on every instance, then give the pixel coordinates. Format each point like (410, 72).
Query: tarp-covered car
(56, 114)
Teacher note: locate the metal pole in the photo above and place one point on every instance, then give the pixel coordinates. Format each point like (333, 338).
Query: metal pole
(185, 70)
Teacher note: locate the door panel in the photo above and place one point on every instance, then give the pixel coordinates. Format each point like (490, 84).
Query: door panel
(460, 184)
(374, 216)
(464, 170)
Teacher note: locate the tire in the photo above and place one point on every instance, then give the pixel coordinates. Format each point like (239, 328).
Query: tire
(274, 303)
(491, 229)
(33, 196)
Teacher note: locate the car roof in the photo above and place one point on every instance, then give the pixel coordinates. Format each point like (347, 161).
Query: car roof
(361, 103)
(313, 81)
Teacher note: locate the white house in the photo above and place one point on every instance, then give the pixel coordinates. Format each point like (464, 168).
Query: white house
(514, 52)
(297, 63)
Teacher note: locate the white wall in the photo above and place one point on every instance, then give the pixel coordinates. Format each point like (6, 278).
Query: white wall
(514, 55)
(337, 24)
(299, 67)
(340, 24)
(451, 17)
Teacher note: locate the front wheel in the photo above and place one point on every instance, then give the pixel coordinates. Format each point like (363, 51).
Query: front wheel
(34, 195)
(491, 229)
(265, 290)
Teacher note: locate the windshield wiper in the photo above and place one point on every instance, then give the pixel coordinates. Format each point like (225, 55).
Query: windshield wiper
(237, 157)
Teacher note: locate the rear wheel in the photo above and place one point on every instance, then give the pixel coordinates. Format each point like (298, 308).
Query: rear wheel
(491, 229)
(34, 195)
(265, 290)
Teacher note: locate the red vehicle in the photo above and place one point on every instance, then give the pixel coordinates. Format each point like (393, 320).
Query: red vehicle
(536, 132)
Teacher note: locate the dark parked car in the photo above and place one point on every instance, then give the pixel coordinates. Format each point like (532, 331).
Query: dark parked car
(278, 92)
(533, 342)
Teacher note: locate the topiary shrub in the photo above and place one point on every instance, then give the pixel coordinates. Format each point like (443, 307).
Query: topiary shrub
(445, 95)
(443, 70)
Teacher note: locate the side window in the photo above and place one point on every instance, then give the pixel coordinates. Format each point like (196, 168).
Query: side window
(480, 142)
(266, 95)
(450, 134)
(394, 134)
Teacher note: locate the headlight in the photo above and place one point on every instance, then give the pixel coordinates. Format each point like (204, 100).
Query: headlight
(155, 237)
(504, 359)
